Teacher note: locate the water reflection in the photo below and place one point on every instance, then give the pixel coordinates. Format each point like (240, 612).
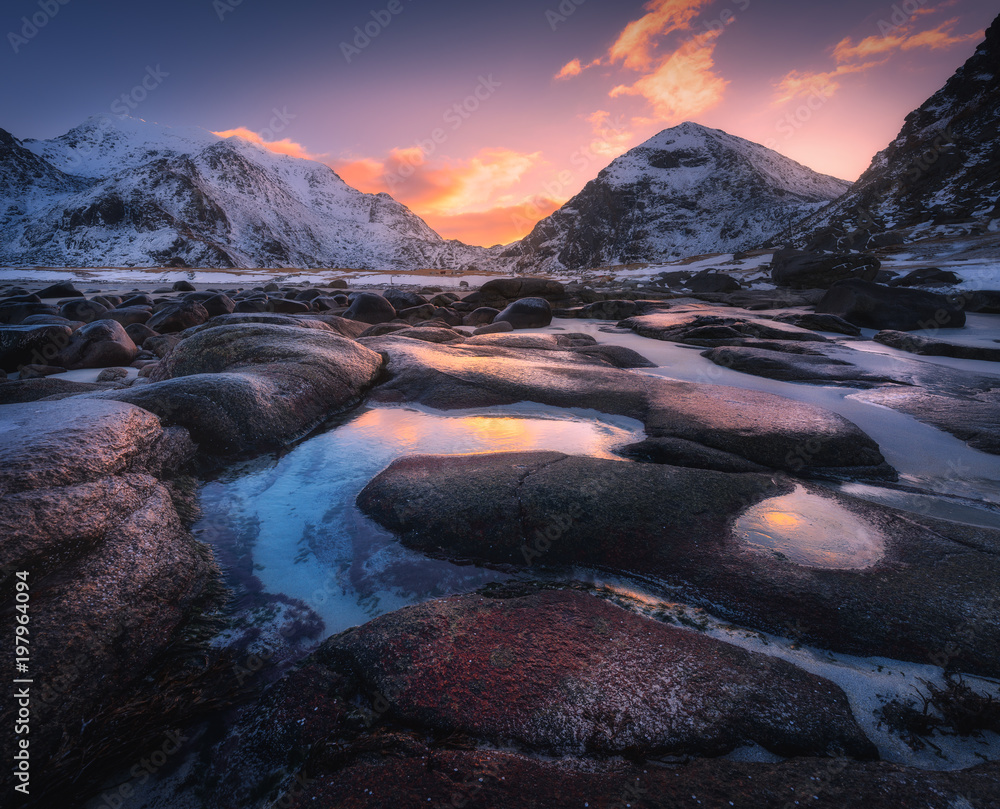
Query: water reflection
(812, 531)
(294, 526)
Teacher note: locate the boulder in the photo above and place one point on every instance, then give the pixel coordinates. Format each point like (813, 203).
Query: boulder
(367, 307)
(610, 310)
(804, 270)
(284, 306)
(219, 305)
(83, 310)
(498, 292)
(810, 367)
(116, 582)
(63, 289)
(142, 299)
(618, 356)
(927, 277)
(815, 322)
(183, 286)
(129, 316)
(502, 327)
(31, 345)
(161, 344)
(251, 387)
(401, 299)
(712, 281)
(33, 390)
(483, 316)
(15, 313)
(417, 314)
(139, 332)
(100, 344)
(872, 306)
(526, 313)
(177, 317)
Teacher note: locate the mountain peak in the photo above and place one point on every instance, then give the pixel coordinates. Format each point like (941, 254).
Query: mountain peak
(188, 195)
(687, 190)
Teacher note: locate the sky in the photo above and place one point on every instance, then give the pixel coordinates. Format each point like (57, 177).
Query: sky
(485, 117)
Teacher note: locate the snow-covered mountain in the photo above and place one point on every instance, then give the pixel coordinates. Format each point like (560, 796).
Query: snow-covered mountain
(942, 169)
(686, 191)
(124, 192)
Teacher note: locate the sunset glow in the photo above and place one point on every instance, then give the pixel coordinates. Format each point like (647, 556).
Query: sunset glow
(484, 134)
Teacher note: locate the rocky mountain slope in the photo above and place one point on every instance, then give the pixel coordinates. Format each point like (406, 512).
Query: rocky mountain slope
(943, 168)
(124, 192)
(688, 190)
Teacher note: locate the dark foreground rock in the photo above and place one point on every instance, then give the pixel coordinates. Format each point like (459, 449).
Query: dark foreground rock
(879, 582)
(31, 345)
(411, 775)
(873, 306)
(115, 582)
(526, 313)
(101, 344)
(255, 386)
(404, 711)
(367, 307)
(566, 673)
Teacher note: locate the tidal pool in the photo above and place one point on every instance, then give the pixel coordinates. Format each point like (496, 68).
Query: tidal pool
(291, 522)
(810, 530)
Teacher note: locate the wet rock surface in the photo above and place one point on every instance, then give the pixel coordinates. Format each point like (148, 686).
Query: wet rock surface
(677, 525)
(542, 694)
(115, 579)
(759, 427)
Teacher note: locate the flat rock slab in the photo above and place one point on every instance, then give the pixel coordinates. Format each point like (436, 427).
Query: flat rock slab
(563, 672)
(760, 427)
(972, 417)
(929, 347)
(814, 368)
(251, 387)
(850, 575)
(712, 327)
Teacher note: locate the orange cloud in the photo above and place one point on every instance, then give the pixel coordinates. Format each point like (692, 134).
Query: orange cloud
(612, 136)
(575, 68)
(468, 199)
(934, 39)
(570, 69)
(850, 55)
(636, 44)
(500, 225)
(684, 85)
(805, 83)
(284, 146)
